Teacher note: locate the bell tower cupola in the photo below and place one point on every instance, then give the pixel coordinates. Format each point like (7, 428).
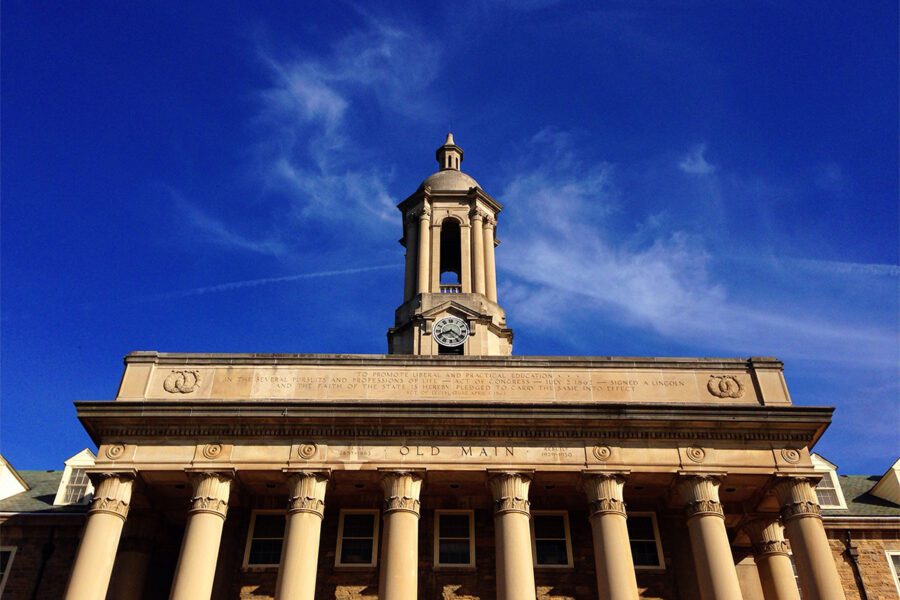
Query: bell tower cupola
(450, 301)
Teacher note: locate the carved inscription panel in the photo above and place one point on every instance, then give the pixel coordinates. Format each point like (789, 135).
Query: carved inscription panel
(351, 383)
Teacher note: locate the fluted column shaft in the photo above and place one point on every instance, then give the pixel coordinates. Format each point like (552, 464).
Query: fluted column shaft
(612, 549)
(512, 529)
(97, 552)
(424, 257)
(490, 274)
(478, 243)
(716, 574)
(400, 545)
(802, 518)
(196, 567)
(411, 241)
(773, 561)
(302, 530)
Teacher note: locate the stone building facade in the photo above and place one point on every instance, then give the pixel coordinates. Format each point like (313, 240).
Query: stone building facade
(450, 468)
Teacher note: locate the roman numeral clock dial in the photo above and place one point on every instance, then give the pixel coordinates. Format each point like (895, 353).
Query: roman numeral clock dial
(451, 332)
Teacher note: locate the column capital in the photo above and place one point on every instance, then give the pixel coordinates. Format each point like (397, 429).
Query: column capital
(112, 492)
(701, 490)
(510, 491)
(490, 222)
(797, 497)
(211, 490)
(604, 490)
(767, 536)
(306, 490)
(478, 214)
(401, 491)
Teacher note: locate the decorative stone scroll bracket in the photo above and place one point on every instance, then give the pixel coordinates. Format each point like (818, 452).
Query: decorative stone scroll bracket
(767, 537)
(702, 494)
(401, 491)
(112, 492)
(605, 491)
(211, 491)
(307, 491)
(510, 491)
(797, 497)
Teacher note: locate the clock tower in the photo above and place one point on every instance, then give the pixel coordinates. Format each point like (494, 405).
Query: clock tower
(450, 293)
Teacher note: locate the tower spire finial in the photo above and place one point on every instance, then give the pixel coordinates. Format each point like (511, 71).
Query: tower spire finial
(449, 155)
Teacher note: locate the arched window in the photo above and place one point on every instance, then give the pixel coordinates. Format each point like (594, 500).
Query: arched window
(451, 261)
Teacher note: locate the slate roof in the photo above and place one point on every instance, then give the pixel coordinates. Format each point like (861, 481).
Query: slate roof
(39, 499)
(860, 503)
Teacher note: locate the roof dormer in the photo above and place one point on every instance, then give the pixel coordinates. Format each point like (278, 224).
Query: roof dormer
(828, 490)
(75, 487)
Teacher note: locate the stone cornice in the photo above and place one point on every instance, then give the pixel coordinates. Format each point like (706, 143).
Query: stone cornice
(547, 420)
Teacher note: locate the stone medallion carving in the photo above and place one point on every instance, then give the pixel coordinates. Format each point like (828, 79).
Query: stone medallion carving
(115, 451)
(790, 455)
(602, 453)
(698, 455)
(182, 381)
(725, 386)
(307, 451)
(212, 451)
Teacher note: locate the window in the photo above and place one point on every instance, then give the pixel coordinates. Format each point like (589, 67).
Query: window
(77, 486)
(454, 538)
(6, 559)
(894, 563)
(646, 550)
(796, 576)
(265, 538)
(551, 539)
(357, 538)
(828, 491)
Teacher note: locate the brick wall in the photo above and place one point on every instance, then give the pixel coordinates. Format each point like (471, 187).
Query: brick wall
(32, 536)
(874, 573)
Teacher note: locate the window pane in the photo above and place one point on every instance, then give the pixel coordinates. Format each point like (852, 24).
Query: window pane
(454, 552)
(827, 497)
(265, 552)
(78, 477)
(269, 526)
(644, 554)
(356, 552)
(549, 526)
(551, 552)
(640, 528)
(4, 561)
(454, 526)
(74, 493)
(895, 558)
(359, 525)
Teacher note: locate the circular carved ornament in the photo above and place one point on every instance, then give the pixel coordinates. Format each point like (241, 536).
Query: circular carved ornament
(307, 451)
(182, 382)
(790, 455)
(212, 451)
(602, 453)
(115, 451)
(698, 455)
(725, 386)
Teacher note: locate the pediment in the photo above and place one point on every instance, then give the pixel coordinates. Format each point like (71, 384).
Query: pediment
(451, 308)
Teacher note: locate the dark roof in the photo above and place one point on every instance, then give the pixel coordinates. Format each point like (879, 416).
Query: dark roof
(860, 503)
(39, 499)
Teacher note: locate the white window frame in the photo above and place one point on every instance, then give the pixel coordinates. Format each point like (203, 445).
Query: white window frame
(437, 539)
(12, 556)
(836, 483)
(659, 551)
(570, 563)
(83, 460)
(888, 554)
(340, 537)
(246, 563)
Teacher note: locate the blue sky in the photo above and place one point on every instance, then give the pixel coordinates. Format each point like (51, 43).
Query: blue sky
(680, 178)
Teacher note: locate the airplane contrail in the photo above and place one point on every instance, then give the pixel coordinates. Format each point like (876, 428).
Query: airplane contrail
(237, 285)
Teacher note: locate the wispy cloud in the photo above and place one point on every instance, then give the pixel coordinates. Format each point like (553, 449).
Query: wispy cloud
(695, 163)
(250, 283)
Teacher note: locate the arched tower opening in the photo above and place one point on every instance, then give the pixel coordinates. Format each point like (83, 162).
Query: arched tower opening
(451, 257)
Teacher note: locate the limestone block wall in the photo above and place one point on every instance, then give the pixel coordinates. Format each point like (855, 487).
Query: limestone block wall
(32, 539)
(874, 571)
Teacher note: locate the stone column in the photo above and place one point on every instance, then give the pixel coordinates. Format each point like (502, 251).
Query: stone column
(97, 552)
(478, 244)
(133, 561)
(716, 574)
(612, 549)
(411, 241)
(512, 530)
(424, 256)
(773, 561)
(802, 519)
(400, 544)
(196, 567)
(490, 269)
(300, 553)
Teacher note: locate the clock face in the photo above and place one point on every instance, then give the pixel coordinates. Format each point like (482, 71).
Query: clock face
(451, 331)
